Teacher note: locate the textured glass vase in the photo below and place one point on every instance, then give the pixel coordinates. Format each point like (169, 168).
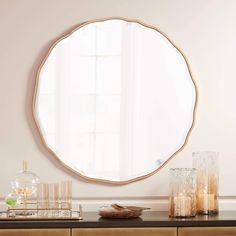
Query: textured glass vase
(206, 164)
(182, 200)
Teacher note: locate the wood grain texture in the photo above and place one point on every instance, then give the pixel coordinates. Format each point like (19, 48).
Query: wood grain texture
(207, 231)
(125, 232)
(34, 232)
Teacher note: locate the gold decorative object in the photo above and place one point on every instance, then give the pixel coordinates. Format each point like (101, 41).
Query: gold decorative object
(34, 200)
(50, 204)
(121, 212)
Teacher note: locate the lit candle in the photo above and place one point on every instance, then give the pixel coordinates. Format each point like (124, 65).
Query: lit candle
(182, 205)
(206, 202)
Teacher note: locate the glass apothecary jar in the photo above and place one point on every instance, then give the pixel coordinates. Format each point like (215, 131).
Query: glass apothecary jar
(25, 182)
(207, 167)
(182, 200)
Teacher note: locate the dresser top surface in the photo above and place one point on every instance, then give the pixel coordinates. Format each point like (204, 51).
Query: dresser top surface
(148, 219)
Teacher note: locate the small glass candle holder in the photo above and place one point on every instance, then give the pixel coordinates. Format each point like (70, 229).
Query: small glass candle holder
(54, 195)
(12, 200)
(182, 200)
(54, 199)
(66, 194)
(206, 164)
(66, 197)
(43, 199)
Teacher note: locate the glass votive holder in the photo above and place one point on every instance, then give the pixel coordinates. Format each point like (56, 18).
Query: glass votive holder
(54, 196)
(66, 197)
(54, 199)
(182, 199)
(206, 164)
(43, 199)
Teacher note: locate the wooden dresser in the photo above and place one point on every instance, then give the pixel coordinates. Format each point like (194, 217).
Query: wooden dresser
(150, 224)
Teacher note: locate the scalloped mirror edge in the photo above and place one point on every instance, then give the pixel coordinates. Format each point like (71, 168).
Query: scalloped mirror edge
(97, 180)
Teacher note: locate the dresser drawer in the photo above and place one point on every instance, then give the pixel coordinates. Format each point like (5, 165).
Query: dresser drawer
(207, 231)
(34, 232)
(125, 232)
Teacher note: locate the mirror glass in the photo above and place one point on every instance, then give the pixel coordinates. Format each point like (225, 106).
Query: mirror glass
(114, 100)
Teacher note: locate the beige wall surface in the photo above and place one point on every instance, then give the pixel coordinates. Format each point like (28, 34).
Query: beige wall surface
(204, 30)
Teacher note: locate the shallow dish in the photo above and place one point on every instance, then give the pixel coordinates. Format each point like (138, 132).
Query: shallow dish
(120, 212)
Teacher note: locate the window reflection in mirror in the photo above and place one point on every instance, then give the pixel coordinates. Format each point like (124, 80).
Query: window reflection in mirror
(115, 100)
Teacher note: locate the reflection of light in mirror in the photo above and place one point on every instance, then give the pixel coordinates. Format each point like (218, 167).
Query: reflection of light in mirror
(113, 97)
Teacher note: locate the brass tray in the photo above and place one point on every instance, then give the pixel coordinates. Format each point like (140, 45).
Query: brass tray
(40, 214)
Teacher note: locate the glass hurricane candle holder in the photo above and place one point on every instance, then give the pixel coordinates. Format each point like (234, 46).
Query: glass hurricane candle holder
(182, 200)
(206, 164)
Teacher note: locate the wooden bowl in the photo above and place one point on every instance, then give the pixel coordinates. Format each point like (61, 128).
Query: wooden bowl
(126, 213)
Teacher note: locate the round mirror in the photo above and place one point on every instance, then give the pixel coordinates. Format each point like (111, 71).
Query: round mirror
(114, 100)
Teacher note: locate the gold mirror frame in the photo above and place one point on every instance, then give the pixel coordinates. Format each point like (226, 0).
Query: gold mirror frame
(36, 89)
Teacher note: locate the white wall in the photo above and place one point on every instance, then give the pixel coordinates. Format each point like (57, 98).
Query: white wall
(204, 30)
